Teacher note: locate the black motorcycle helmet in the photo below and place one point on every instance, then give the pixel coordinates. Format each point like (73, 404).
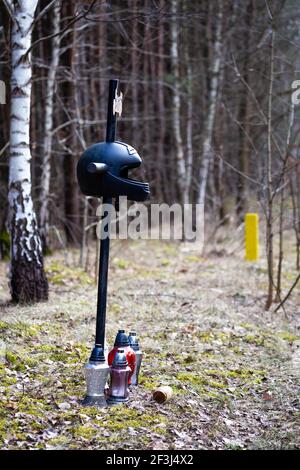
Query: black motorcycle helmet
(102, 171)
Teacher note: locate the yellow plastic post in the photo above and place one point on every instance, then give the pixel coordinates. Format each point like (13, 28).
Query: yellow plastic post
(251, 237)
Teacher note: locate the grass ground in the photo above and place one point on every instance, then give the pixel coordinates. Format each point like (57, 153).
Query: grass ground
(233, 367)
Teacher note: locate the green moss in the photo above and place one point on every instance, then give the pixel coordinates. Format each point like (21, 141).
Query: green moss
(59, 441)
(247, 326)
(148, 382)
(212, 335)
(212, 395)
(161, 335)
(86, 432)
(210, 382)
(91, 411)
(19, 329)
(165, 262)
(206, 336)
(6, 380)
(19, 363)
(77, 354)
(198, 380)
(46, 348)
(237, 350)
(288, 336)
(121, 418)
(234, 341)
(235, 373)
(225, 337)
(33, 406)
(194, 259)
(213, 384)
(3, 424)
(25, 329)
(257, 340)
(71, 355)
(170, 249)
(36, 425)
(52, 328)
(121, 263)
(3, 326)
(12, 426)
(139, 271)
(189, 359)
(61, 274)
(60, 355)
(208, 354)
(233, 446)
(115, 308)
(11, 357)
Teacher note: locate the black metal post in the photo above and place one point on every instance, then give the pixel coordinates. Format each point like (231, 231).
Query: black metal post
(104, 249)
(111, 126)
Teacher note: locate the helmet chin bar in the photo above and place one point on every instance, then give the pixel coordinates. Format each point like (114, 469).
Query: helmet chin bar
(134, 190)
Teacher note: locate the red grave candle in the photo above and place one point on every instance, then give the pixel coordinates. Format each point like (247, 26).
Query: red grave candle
(122, 341)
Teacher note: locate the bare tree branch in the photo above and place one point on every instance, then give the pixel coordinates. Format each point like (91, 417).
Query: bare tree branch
(289, 293)
(43, 12)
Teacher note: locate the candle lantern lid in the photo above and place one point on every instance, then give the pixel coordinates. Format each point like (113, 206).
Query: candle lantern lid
(121, 339)
(97, 354)
(133, 341)
(120, 359)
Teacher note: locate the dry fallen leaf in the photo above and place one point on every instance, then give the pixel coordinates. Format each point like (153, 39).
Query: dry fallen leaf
(267, 395)
(64, 406)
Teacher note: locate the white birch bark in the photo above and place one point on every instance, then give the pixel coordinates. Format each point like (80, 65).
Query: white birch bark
(269, 197)
(49, 105)
(189, 129)
(181, 169)
(28, 282)
(212, 103)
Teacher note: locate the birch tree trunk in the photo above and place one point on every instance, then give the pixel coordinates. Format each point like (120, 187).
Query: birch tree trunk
(181, 170)
(49, 105)
(146, 109)
(161, 173)
(212, 104)
(134, 73)
(269, 217)
(27, 279)
(71, 195)
(189, 127)
(244, 120)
